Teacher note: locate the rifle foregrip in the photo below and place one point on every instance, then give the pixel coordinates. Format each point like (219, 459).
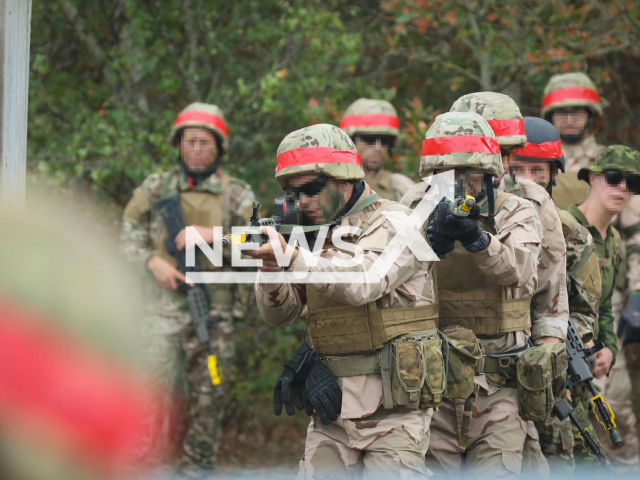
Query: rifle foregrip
(199, 311)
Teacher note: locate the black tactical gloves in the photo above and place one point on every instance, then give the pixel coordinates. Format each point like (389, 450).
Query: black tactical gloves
(464, 229)
(307, 383)
(290, 389)
(324, 393)
(440, 244)
(629, 327)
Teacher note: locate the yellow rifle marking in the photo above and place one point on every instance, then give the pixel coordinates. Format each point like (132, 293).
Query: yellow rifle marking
(611, 414)
(212, 361)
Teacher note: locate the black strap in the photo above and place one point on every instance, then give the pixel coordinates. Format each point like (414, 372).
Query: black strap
(488, 185)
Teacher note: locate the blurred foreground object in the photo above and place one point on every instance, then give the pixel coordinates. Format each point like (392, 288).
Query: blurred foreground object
(71, 405)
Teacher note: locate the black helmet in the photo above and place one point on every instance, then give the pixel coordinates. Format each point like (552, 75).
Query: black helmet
(543, 143)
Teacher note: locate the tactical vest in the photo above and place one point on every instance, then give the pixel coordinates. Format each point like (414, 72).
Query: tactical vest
(341, 329)
(569, 190)
(587, 271)
(467, 297)
(199, 208)
(381, 183)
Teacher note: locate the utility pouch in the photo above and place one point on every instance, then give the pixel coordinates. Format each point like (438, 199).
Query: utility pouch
(435, 381)
(536, 381)
(462, 353)
(560, 364)
(417, 370)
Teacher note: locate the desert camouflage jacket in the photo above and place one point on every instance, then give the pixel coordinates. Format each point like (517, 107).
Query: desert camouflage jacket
(510, 260)
(550, 301)
(408, 283)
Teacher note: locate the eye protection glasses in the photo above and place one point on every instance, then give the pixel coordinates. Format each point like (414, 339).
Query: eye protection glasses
(615, 177)
(309, 189)
(385, 140)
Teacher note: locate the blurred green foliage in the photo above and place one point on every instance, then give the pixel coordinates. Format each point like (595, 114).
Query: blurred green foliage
(109, 76)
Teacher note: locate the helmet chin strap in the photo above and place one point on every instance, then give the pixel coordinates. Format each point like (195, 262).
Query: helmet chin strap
(487, 190)
(552, 182)
(197, 175)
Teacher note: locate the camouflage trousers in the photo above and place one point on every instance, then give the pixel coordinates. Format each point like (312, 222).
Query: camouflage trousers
(632, 356)
(556, 444)
(387, 444)
(497, 436)
(619, 393)
(190, 436)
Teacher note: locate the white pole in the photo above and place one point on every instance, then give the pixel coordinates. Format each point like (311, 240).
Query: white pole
(15, 30)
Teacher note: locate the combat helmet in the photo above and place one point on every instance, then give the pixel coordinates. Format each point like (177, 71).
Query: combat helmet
(500, 111)
(371, 117)
(320, 149)
(614, 157)
(463, 140)
(570, 90)
(203, 115)
(543, 145)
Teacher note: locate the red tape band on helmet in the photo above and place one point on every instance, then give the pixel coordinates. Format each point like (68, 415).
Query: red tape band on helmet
(67, 390)
(573, 93)
(202, 117)
(373, 120)
(458, 144)
(311, 155)
(507, 128)
(550, 150)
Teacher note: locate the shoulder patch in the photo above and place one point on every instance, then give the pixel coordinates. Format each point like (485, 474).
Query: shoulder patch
(154, 184)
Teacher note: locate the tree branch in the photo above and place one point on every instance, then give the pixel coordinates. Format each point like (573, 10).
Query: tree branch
(192, 36)
(71, 12)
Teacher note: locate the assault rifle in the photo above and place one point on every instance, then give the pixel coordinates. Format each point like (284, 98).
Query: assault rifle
(285, 218)
(197, 298)
(579, 372)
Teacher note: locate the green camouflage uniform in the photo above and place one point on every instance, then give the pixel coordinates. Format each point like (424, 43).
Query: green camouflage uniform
(180, 359)
(608, 250)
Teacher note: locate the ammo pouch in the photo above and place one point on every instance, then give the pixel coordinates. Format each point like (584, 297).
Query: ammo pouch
(462, 352)
(541, 380)
(417, 371)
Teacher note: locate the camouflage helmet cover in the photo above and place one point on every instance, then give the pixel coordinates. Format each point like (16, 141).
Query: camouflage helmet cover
(460, 140)
(500, 111)
(370, 116)
(203, 115)
(613, 157)
(570, 90)
(320, 149)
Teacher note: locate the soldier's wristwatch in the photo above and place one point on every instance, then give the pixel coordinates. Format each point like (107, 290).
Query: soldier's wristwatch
(478, 245)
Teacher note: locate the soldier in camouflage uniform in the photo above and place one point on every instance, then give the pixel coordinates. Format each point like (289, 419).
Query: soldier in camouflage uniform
(550, 300)
(614, 180)
(373, 126)
(490, 262)
(209, 198)
(354, 324)
(539, 162)
(573, 104)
